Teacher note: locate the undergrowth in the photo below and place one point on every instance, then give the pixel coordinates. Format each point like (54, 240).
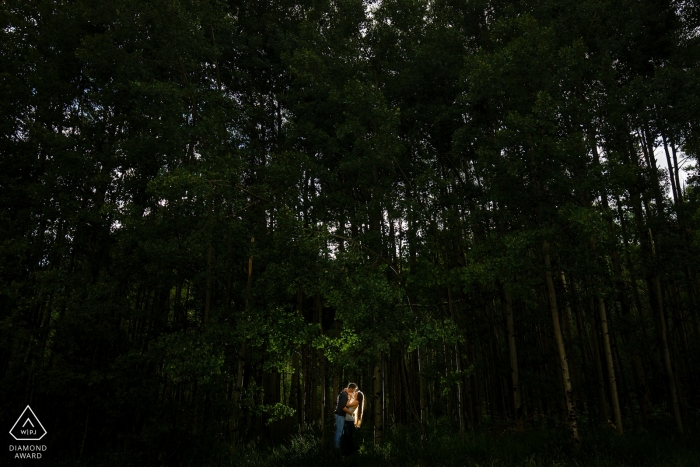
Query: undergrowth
(443, 445)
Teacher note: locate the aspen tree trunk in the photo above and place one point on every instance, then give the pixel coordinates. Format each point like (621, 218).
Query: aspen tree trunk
(242, 350)
(207, 299)
(418, 414)
(467, 393)
(674, 190)
(397, 400)
(644, 396)
(304, 386)
(573, 426)
(681, 331)
(488, 381)
(458, 364)
(584, 346)
(514, 372)
(271, 395)
(322, 370)
(460, 391)
(694, 301)
(499, 384)
(549, 344)
(676, 170)
(567, 316)
(176, 305)
(383, 362)
(475, 401)
(249, 284)
(614, 399)
(229, 275)
(658, 197)
(602, 399)
(677, 316)
(410, 405)
(312, 387)
(435, 389)
(657, 303)
(295, 390)
(617, 269)
(336, 370)
(447, 365)
(421, 387)
(207, 292)
(238, 395)
(638, 368)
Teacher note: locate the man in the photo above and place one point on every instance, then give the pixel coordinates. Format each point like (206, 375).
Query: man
(340, 411)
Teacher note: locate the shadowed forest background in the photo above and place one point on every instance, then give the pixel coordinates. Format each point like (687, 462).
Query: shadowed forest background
(486, 213)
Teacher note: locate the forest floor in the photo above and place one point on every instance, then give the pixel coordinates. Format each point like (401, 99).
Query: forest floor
(496, 447)
(493, 446)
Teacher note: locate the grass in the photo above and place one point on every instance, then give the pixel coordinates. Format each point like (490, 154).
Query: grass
(445, 446)
(534, 448)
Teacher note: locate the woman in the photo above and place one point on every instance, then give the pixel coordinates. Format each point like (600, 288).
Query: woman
(356, 405)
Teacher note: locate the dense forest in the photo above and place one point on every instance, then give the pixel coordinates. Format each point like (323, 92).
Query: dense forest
(214, 214)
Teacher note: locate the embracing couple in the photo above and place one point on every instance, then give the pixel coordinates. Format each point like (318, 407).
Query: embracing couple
(348, 415)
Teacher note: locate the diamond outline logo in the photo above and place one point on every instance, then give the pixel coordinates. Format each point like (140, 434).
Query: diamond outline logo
(35, 418)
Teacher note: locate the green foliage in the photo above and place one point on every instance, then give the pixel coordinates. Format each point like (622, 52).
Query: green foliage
(212, 211)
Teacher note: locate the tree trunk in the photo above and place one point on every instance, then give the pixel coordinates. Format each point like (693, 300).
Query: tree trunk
(474, 401)
(614, 399)
(241, 354)
(458, 364)
(604, 414)
(573, 425)
(207, 299)
(671, 177)
(514, 373)
(657, 304)
(421, 387)
(322, 370)
(584, 345)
